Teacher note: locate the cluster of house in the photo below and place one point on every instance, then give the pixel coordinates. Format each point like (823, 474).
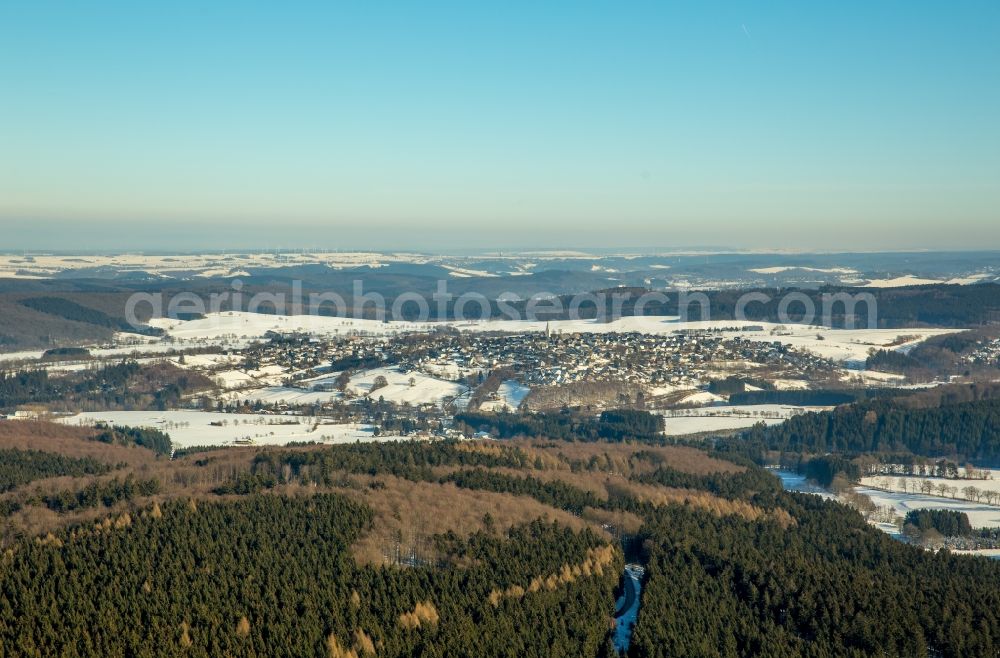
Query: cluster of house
(681, 359)
(21, 414)
(987, 354)
(678, 361)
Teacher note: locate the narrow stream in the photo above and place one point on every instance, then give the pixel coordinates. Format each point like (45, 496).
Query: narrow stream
(792, 481)
(627, 606)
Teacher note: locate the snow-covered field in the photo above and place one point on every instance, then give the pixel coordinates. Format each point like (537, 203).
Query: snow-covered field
(509, 397)
(702, 398)
(876, 377)
(790, 384)
(194, 428)
(683, 425)
(206, 360)
(411, 387)
(721, 418)
(980, 515)
(913, 482)
(30, 355)
(788, 268)
(851, 346)
(781, 411)
(287, 395)
(900, 281)
(992, 553)
(129, 348)
(236, 325)
(968, 280)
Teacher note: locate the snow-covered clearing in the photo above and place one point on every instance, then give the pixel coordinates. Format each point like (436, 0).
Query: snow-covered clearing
(233, 379)
(788, 268)
(900, 281)
(465, 272)
(968, 280)
(874, 376)
(992, 553)
(851, 346)
(195, 428)
(681, 425)
(790, 384)
(702, 398)
(669, 389)
(721, 418)
(205, 360)
(411, 387)
(992, 483)
(30, 355)
(509, 397)
(980, 515)
(286, 395)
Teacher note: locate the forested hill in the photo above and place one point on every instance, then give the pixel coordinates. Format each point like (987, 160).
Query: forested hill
(940, 305)
(967, 430)
(459, 549)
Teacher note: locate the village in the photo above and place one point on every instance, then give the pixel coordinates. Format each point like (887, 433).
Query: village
(452, 368)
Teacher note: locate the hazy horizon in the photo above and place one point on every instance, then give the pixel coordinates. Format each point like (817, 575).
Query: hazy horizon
(449, 126)
(166, 236)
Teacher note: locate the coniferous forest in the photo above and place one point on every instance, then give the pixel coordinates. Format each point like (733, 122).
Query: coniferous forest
(272, 576)
(517, 550)
(963, 429)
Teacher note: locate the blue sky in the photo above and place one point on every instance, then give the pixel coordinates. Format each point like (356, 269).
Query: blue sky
(474, 124)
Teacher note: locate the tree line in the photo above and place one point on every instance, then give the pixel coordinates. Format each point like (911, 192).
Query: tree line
(19, 467)
(101, 493)
(948, 522)
(567, 425)
(966, 430)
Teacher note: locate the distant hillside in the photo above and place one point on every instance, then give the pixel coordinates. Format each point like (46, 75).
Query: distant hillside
(961, 422)
(52, 314)
(54, 318)
(70, 310)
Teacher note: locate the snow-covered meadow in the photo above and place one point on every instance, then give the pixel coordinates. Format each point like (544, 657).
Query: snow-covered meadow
(202, 428)
(912, 483)
(729, 417)
(411, 387)
(980, 515)
(904, 493)
(510, 395)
